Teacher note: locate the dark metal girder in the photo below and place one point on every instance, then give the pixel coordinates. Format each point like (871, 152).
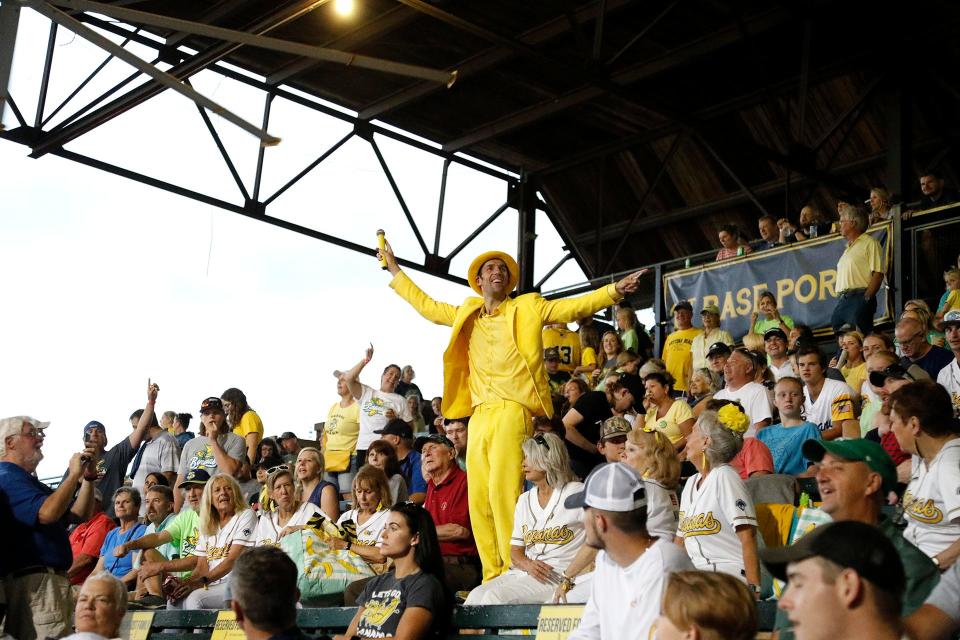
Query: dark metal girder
(9, 25)
(45, 78)
(286, 13)
(553, 270)
(397, 194)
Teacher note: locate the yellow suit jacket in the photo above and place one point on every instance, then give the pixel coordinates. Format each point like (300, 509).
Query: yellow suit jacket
(526, 314)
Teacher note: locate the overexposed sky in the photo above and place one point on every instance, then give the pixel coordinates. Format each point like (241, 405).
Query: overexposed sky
(107, 282)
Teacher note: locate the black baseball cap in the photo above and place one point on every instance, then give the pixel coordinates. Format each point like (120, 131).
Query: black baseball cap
(719, 349)
(396, 427)
(682, 304)
(897, 371)
(196, 476)
(436, 438)
(551, 353)
(774, 332)
(850, 544)
(212, 403)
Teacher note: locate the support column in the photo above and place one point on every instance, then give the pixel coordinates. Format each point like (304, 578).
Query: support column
(527, 231)
(900, 179)
(9, 22)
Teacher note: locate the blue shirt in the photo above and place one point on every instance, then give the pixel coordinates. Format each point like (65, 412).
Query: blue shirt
(182, 438)
(120, 567)
(786, 444)
(29, 543)
(413, 473)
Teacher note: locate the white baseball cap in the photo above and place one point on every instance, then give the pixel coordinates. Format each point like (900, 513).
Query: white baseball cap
(614, 486)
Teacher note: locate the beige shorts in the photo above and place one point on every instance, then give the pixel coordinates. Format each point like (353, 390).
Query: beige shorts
(39, 605)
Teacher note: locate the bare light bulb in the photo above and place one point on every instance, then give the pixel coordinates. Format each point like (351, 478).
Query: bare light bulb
(343, 7)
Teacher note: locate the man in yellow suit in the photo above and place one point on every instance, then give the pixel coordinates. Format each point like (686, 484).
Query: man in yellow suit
(493, 371)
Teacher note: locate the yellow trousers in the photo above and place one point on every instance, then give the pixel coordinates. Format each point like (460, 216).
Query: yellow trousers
(495, 478)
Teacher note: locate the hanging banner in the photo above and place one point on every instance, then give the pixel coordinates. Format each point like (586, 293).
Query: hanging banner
(801, 276)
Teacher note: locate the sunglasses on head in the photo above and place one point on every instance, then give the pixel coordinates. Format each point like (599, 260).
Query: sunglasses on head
(279, 467)
(540, 440)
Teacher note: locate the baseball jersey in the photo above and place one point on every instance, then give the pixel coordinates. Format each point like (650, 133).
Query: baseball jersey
(198, 453)
(269, 527)
(833, 405)
(756, 403)
(663, 510)
(949, 379)
(931, 503)
(240, 529)
(374, 405)
(567, 343)
(624, 602)
(709, 515)
(368, 533)
(553, 533)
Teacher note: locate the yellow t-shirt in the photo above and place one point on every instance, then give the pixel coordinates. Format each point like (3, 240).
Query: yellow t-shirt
(589, 357)
(952, 302)
(249, 423)
(855, 376)
(678, 357)
(669, 424)
(497, 370)
(858, 262)
(342, 427)
(567, 342)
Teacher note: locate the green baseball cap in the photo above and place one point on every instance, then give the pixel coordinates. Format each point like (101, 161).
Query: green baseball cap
(865, 451)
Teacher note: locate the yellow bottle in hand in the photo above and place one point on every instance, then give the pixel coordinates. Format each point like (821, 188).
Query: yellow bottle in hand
(382, 244)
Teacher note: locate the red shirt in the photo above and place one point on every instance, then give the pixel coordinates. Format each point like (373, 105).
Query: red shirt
(892, 446)
(754, 456)
(88, 538)
(447, 504)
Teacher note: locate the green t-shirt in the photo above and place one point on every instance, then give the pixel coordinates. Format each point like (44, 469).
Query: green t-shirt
(762, 325)
(185, 533)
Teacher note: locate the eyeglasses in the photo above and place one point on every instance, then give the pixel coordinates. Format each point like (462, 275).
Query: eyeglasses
(913, 337)
(33, 433)
(540, 440)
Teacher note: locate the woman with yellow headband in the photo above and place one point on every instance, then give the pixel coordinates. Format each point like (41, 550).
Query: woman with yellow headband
(718, 524)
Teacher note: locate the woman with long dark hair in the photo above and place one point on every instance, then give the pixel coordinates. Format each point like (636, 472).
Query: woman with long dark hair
(243, 420)
(411, 601)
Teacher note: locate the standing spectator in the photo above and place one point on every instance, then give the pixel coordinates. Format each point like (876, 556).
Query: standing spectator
(633, 335)
(417, 422)
(227, 528)
(340, 432)
(916, 350)
(86, 539)
(382, 455)
(589, 348)
(582, 427)
(768, 316)
(670, 417)
(112, 463)
(785, 440)
(456, 430)
(101, 605)
(447, 504)
(311, 485)
(922, 420)
(166, 421)
(769, 233)
(739, 373)
(775, 344)
(949, 376)
(712, 333)
(854, 478)
(377, 407)
(827, 403)
(631, 567)
(843, 575)
(263, 584)
(859, 275)
(290, 444)
(546, 533)
(677, 348)
(812, 224)
(718, 525)
(935, 192)
(399, 434)
(405, 386)
(219, 451)
(567, 344)
(731, 245)
(291, 514)
(160, 455)
(880, 207)
(243, 420)
(180, 425)
(37, 554)
(126, 505)
(729, 614)
(409, 601)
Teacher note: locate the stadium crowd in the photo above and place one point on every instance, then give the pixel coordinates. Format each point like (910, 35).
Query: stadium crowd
(557, 466)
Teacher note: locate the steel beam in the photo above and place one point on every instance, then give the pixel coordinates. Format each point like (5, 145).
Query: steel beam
(643, 32)
(223, 151)
(263, 42)
(399, 196)
(287, 12)
(45, 78)
(853, 111)
(567, 256)
(165, 79)
(310, 167)
(9, 24)
(476, 232)
(733, 174)
(899, 149)
(526, 233)
(258, 176)
(440, 203)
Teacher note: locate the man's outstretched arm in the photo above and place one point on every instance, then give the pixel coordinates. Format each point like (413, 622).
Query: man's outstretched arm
(575, 308)
(436, 312)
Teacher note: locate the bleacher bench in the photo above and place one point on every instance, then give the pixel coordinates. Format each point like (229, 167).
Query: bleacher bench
(198, 625)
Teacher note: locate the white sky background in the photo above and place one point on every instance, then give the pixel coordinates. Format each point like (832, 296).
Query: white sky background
(107, 282)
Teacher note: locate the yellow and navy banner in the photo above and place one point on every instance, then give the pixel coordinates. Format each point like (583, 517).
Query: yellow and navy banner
(801, 276)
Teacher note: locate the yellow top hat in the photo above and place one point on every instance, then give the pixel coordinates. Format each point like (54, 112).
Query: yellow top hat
(512, 268)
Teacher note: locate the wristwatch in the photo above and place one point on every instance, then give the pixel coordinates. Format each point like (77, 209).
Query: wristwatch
(755, 588)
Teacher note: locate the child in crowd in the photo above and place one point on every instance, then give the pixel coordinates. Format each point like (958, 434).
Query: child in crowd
(950, 299)
(786, 439)
(613, 438)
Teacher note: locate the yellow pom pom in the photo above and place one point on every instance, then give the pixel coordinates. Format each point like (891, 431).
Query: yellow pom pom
(733, 419)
